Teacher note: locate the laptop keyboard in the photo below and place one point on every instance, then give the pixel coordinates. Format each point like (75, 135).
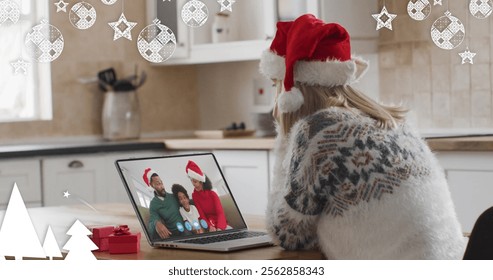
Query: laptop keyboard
(224, 237)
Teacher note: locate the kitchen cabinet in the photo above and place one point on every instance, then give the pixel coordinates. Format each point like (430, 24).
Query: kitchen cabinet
(27, 174)
(470, 177)
(247, 175)
(88, 178)
(252, 24)
(82, 176)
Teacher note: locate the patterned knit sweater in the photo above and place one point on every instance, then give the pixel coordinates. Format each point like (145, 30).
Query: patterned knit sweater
(357, 191)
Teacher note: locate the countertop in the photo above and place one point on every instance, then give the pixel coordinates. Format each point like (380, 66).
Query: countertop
(88, 147)
(451, 143)
(471, 144)
(475, 143)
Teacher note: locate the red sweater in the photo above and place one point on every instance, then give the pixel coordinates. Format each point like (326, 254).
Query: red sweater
(210, 208)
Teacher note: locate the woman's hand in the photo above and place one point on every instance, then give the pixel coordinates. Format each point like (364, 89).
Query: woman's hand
(162, 230)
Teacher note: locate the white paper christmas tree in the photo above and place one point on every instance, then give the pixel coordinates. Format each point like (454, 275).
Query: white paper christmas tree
(18, 237)
(50, 245)
(79, 245)
(2, 257)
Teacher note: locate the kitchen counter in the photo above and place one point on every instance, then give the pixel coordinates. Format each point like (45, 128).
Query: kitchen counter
(89, 147)
(456, 143)
(244, 143)
(478, 143)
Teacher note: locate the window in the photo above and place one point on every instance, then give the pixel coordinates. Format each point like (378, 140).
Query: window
(23, 97)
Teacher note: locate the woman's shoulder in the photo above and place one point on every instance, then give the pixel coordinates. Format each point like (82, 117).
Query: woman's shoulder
(335, 119)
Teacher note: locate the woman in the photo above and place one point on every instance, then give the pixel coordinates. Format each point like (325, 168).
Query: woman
(351, 178)
(188, 212)
(206, 200)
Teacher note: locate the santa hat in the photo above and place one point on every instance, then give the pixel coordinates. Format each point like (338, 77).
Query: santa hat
(310, 51)
(194, 172)
(147, 176)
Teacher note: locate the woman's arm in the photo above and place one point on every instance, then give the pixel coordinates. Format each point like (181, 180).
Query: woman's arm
(297, 198)
(218, 208)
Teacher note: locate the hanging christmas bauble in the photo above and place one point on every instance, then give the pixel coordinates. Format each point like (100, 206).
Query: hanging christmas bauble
(194, 13)
(419, 9)
(82, 15)
(9, 12)
(156, 42)
(447, 32)
(44, 42)
(481, 8)
(109, 2)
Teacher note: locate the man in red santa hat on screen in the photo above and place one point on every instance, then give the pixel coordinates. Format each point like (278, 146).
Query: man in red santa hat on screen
(165, 216)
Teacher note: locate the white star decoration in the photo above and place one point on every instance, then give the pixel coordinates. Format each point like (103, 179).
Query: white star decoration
(20, 66)
(467, 56)
(61, 6)
(384, 19)
(226, 4)
(437, 2)
(122, 28)
(66, 194)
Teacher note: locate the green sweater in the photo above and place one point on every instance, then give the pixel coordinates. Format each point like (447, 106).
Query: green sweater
(166, 210)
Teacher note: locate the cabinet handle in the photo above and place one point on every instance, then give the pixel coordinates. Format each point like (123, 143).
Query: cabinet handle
(76, 164)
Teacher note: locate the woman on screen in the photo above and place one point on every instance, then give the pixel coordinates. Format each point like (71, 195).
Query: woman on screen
(206, 200)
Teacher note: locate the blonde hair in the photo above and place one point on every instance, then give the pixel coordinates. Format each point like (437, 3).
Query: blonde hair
(320, 97)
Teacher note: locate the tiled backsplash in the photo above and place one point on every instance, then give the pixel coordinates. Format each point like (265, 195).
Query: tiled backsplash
(441, 91)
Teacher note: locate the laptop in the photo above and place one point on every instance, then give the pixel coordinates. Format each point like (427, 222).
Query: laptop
(196, 206)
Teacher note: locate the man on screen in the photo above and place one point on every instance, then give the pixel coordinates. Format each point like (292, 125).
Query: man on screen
(165, 220)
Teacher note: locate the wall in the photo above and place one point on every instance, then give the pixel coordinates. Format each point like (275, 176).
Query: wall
(230, 99)
(442, 92)
(168, 99)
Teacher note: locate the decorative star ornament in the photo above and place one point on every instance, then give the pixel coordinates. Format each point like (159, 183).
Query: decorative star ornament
(437, 2)
(467, 56)
(122, 28)
(384, 19)
(61, 6)
(226, 4)
(20, 66)
(66, 194)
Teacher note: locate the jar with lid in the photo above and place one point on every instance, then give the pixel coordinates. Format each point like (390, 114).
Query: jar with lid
(121, 115)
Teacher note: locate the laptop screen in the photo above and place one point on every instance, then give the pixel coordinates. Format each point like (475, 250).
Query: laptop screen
(180, 196)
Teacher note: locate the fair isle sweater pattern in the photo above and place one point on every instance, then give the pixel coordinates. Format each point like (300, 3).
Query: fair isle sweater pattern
(354, 161)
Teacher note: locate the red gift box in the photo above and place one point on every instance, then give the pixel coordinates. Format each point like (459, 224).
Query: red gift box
(100, 237)
(122, 241)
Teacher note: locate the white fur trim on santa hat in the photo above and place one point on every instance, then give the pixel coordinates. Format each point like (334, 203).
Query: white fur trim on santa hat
(194, 175)
(272, 65)
(330, 73)
(325, 73)
(290, 101)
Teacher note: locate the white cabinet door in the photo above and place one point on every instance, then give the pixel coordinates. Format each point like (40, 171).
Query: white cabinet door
(470, 178)
(82, 176)
(247, 175)
(27, 175)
